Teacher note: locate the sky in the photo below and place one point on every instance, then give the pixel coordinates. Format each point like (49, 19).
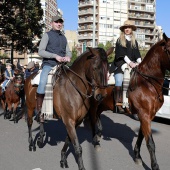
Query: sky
(70, 14)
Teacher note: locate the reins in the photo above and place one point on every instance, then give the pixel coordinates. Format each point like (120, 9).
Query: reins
(64, 67)
(156, 79)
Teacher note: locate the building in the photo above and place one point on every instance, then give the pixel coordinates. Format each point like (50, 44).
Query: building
(104, 17)
(71, 38)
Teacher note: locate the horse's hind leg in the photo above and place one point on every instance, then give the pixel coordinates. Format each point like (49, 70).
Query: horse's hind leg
(41, 137)
(138, 159)
(30, 139)
(63, 162)
(145, 126)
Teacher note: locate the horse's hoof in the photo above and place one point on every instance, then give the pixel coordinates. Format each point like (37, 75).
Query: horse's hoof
(97, 148)
(30, 148)
(138, 161)
(39, 143)
(63, 164)
(34, 148)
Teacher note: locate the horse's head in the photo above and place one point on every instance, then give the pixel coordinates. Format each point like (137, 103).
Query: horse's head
(97, 71)
(18, 80)
(165, 43)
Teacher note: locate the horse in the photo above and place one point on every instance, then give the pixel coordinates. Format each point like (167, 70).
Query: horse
(144, 95)
(71, 97)
(13, 93)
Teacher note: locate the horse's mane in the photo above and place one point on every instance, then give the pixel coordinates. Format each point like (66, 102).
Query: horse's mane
(153, 48)
(87, 54)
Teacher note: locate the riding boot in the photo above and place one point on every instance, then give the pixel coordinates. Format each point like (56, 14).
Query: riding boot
(40, 98)
(118, 98)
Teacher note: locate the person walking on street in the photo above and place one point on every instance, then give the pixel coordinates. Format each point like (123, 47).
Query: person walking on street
(54, 49)
(126, 55)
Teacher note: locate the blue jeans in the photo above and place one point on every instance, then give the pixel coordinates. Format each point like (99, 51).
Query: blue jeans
(43, 79)
(118, 79)
(4, 84)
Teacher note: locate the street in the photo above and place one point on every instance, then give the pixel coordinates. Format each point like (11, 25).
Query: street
(117, 143)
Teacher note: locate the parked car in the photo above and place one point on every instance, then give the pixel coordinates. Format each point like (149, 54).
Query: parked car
(164, 111)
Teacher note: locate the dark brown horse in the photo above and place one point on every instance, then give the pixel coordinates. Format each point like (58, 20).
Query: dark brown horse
(13, 94)
(71, 97)
(145, 97)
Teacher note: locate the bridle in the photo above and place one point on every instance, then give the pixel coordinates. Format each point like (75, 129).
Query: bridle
(93, 85)
(18, 82)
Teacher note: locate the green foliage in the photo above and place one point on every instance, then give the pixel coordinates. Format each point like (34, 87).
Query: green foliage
(74, 56)
(20, 22)
(143, 53)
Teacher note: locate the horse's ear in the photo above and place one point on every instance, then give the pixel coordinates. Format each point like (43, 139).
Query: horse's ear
(92, 50)
(109, 51)
(165, 37)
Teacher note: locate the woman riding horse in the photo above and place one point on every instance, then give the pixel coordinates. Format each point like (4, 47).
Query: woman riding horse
(145, 97)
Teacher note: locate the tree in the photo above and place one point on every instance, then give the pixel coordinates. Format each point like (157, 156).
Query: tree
(74, 56)
(20, 22)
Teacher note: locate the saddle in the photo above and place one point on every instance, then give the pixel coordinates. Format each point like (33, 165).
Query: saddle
(47, 106)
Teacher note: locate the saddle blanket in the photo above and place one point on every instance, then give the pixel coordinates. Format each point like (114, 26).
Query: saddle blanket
(111, 79)
(47, 106)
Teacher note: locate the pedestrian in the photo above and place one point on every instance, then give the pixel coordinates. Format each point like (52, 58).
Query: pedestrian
(54, 49)
(9, 75)
(126, 55)
(31, 68)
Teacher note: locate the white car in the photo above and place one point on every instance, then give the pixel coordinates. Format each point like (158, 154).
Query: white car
(164, 111)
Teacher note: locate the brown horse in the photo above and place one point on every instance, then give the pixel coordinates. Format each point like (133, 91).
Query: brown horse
(2, 78)
(71, 97)
(145, 97)
(13, 94)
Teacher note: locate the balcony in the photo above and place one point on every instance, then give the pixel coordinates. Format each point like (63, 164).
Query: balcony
(87, 37)
(87, 12)
(86, 4)
(87, 20)
(146, 10)
(142, 2)
(141, 16)
(145, 25)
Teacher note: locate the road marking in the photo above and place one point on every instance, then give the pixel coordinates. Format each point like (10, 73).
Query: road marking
(37, 169)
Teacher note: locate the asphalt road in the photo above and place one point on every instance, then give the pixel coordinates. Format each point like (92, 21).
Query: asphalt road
(118, 140)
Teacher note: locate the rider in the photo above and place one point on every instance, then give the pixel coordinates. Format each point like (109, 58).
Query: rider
(126, 53)
(9, 75)
(54, 49)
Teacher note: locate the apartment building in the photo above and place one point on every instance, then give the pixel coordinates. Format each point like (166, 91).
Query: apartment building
(110, 15)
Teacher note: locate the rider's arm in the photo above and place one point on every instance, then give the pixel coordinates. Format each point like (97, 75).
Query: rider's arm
(42, 48)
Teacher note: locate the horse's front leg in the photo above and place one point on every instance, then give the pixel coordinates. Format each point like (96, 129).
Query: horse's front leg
(63, 162)
(9, 110)
(77, 147)
(14, 112)
(29, 124)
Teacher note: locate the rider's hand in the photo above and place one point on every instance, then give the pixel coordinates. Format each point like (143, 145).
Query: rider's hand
(66, 59)
(59, 58)
(132, 64)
